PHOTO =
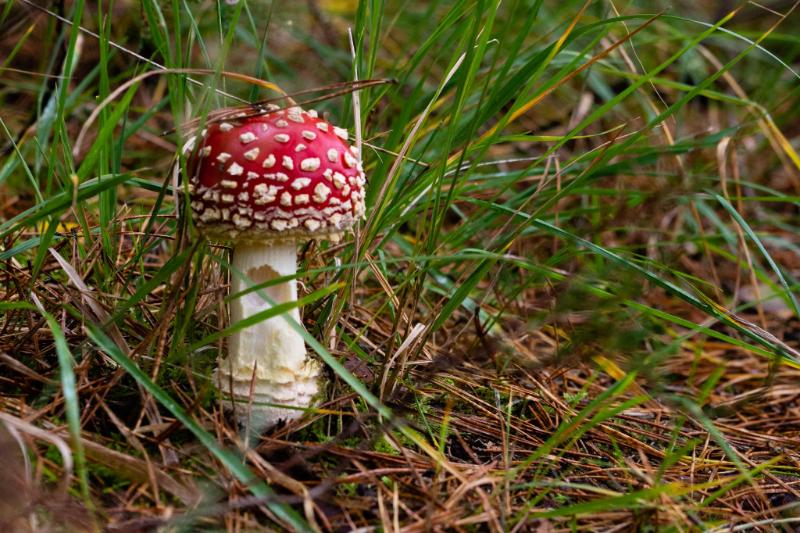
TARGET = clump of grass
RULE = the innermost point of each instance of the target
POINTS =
(572, 305)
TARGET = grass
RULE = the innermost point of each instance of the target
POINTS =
(572, 305)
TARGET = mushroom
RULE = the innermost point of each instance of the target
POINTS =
(266, 182)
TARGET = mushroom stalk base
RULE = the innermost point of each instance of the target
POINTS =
(267, 371)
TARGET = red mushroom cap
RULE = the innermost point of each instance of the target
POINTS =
(286, 174)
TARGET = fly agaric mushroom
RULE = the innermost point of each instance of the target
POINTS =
(266, 182)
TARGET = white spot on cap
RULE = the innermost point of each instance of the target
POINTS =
(340, 132)
(281, 123)
(294, 114)
(328, 173)
(252, 175)
(211, 213)
(334, 201)
(228, 184)
(312, 224)
(349, 160)
(280, 176)
(287, 163)
(225, 126)
(251, 155)
(228, 198)
(299, 183)
(189, 146)
(264, 127)
(321, 192)
(301, 199)
(264, 193)
(339, 180)
(223, 157)
(286, 198)
(247, 137)
(333, 155)
(335, 219)
(282, 138)
(205, 151)
(310, 164)
(322, 126)
(300, 147)
(197, 205)
(278, 224)
(354, 149)
(310, 135)
(243, 196)
(269, 161)
(312, 113)
(241, 222)
(235, 169)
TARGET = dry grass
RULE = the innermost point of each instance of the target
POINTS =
(598, 401)
(492, 414)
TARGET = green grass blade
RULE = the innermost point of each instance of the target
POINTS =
(232, 462)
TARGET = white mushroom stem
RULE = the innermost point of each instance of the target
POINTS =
(267, 365)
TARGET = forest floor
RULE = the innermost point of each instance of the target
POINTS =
(572, 305)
